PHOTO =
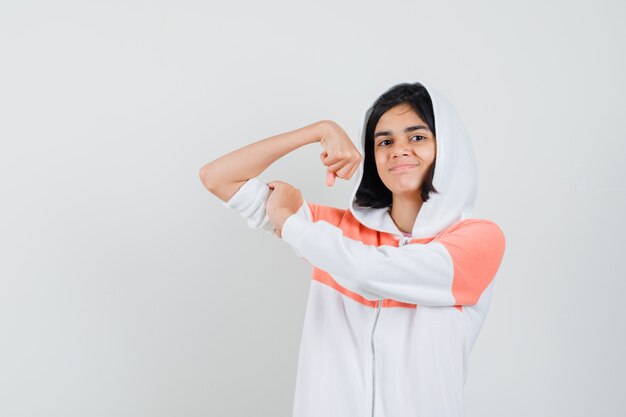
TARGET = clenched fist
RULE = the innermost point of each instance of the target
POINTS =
(284, 200)
(340, 155)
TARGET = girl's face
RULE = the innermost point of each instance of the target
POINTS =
(402, 138)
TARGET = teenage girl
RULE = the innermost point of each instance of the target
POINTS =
(402, 278)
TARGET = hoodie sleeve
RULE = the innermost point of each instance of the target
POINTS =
(451, 270)
(249, 201)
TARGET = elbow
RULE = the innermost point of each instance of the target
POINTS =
(205, 177)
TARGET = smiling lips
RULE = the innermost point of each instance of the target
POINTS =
(403, 167)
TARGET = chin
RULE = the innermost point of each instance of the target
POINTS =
(405, 191)
(396, 188)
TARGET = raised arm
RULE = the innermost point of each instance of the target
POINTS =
(225, 175)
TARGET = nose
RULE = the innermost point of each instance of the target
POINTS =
(400, 150)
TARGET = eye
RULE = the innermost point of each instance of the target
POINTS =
(417, 136)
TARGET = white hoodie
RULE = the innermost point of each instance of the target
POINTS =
(390, 319)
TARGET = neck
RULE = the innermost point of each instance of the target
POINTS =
(404, 210)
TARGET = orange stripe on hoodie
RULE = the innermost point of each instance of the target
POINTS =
(475, 246)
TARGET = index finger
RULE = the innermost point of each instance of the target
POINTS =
(330, 178)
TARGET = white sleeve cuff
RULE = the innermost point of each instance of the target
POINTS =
(294, 228)
(249, 201)
(246, 193)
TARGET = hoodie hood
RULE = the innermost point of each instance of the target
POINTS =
(454, 176)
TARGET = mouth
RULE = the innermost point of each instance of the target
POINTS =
(403, 167)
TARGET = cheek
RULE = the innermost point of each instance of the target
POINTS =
(428, 154)
(433, 155)
(379, 164)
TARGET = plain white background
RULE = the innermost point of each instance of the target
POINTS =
(128, 290)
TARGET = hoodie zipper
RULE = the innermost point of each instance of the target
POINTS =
(379, 305)
(403, 241)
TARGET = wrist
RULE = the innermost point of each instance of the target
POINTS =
(321, 130)
(283, 216)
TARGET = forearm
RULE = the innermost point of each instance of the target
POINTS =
(416, 273)
(452, 269)
(251, 160)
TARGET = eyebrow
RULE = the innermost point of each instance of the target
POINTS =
(407, 130)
